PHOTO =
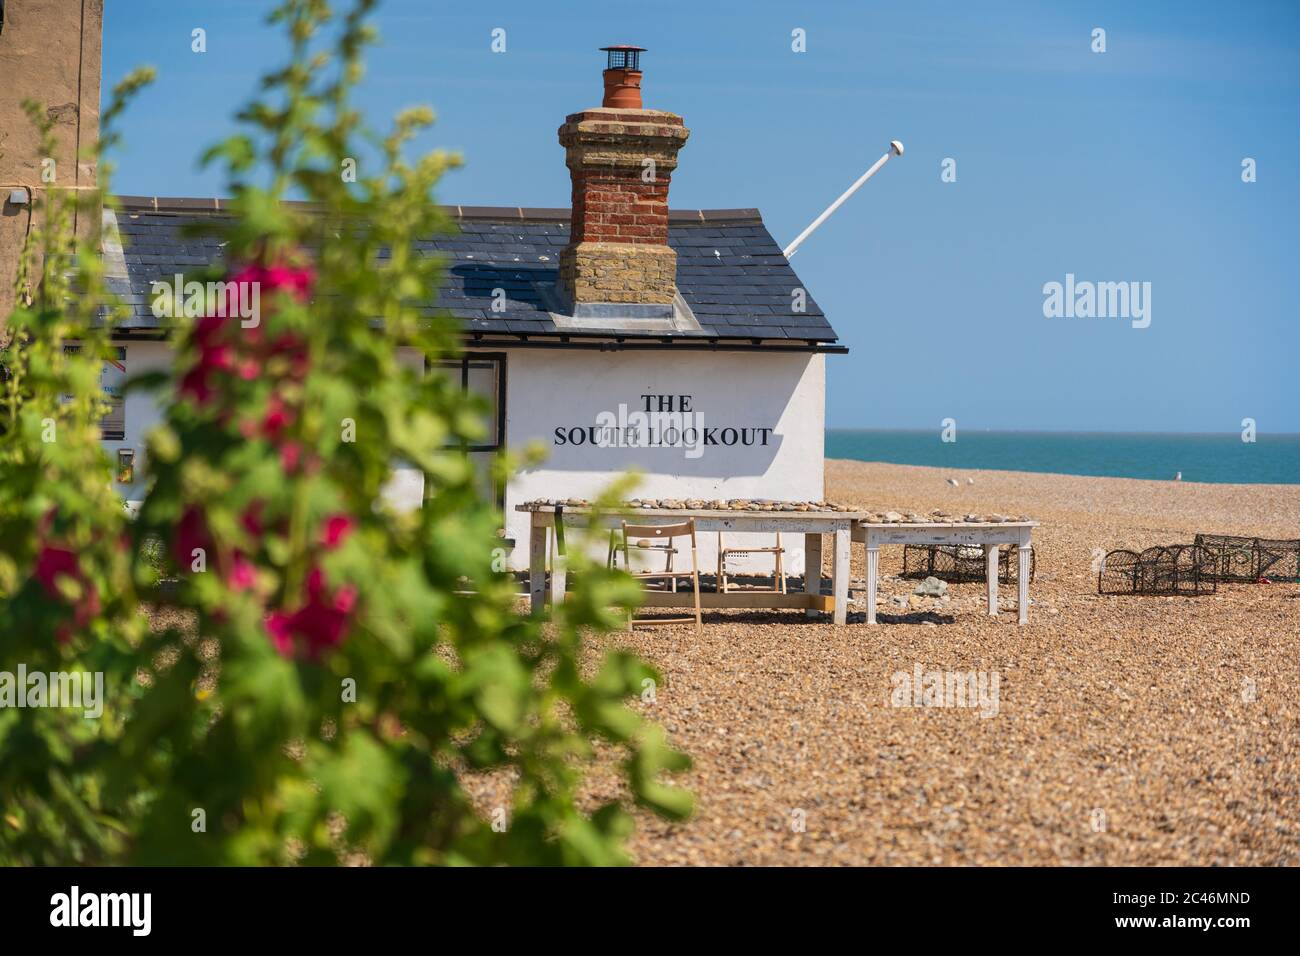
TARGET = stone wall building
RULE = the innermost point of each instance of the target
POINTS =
(49, 53)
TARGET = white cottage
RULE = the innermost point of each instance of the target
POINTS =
(620, 333)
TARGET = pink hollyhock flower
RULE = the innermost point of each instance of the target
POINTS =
(290, 456)
(243, 575)
(296, 280)
(197, 381)
(191, 533)
(337, 527)
(217, 353)
(206, 330)
(51, 563)
(288, 344)
(279, 627)
(252, 519)
(278, 417)
(322, 621)
(219, 357)
(214, 356)
(345, 599)
(254, 273)
(319, 624)
(195, 385)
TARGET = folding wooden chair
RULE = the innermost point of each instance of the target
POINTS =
(665, 533)
(778, 580)
(641, 545)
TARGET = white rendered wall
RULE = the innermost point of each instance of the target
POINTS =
(142, 411)
(405, 489)
(780, 391)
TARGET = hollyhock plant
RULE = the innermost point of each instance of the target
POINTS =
(67, 593)
(230, 356)
(322, 601)
(304, 625)
(225, 343)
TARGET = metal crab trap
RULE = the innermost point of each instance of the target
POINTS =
(1241, 559)
(1177, 569)
(960, 563)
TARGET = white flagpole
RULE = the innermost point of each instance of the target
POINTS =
(895, 149)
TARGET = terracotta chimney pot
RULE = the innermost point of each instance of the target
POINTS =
(622, 90)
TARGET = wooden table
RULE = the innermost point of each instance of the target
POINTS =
(989, 535)
(812, 524)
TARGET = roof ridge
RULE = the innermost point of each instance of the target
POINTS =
(173, 205)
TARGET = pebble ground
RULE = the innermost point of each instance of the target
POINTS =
(1129, 730)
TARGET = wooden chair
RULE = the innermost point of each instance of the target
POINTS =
(665, 533)
(778, 580)
(641, 545)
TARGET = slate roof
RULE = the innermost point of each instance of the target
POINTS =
(730, 271)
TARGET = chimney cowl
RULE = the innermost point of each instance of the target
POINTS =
(622, 77)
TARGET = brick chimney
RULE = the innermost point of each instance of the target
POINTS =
(621, 158)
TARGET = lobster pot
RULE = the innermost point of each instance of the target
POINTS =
(1240, 559)
(960, 563)
(1181, 569)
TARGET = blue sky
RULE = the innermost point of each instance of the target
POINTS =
(1115, 166)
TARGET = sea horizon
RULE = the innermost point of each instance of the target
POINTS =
(1209, 457)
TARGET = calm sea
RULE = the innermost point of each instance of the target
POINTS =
(1271, 459)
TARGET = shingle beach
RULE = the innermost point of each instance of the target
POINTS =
(1128, 730)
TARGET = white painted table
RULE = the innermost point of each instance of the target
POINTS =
(812, 524)
(989, 535)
